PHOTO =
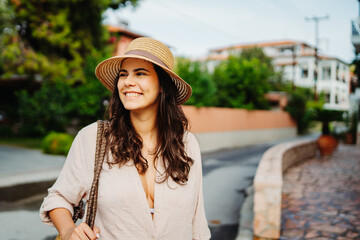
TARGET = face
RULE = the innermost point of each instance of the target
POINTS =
(138, 85)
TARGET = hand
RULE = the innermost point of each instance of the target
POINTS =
(82, 232)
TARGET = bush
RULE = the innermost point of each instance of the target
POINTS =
(56, 103)
(6, 131)
(45, 109)
(57, 143)
(299, 110)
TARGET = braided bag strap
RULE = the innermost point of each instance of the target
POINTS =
(99, 160)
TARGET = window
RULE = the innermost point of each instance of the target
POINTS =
(327, 97)
(337, 71)
(304, 71)
(287, 50)
(326, 73)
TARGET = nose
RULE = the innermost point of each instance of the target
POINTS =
(129, 81)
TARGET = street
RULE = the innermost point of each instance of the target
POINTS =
(227, 174)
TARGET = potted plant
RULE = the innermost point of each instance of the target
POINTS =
(326, 142)
(350, 136)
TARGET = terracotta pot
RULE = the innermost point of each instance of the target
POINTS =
(326, 144)
(349, 138)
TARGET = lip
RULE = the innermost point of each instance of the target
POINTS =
(132, 93)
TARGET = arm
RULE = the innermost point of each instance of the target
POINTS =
(67, 229)
(71, 186)
(200, 226)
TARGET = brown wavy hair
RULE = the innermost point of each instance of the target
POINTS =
(125, 143)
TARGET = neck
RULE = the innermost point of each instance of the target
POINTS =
(145, 125)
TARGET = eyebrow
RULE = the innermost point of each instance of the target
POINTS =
(141, 69)
(136, 70)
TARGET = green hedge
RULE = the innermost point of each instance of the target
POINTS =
(57, 143)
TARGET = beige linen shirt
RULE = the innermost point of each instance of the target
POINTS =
(123, 211)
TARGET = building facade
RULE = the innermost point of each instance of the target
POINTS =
(355, 93)
(297, 62)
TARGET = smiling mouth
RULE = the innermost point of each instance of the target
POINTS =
(133, 94)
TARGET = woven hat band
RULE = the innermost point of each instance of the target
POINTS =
(148, 55)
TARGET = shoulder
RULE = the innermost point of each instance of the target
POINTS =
(87, 135)
(88, 130)
(189, 137)
(191, 146)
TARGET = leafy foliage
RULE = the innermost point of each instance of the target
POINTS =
(55, 104)
(299, 110)
(325, 116)
(57, 143)
(58, 42)
(50, 39)
(242, 80)
(44, 110)
(197, 75)
(86, 100)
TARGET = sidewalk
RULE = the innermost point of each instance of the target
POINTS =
(21, 167)
(321, 197)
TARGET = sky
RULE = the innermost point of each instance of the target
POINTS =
(193, 27)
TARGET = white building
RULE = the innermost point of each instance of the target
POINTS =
(297, 62)
(355, 96)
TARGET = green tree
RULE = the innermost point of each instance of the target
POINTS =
(51, 39)
(59, 42)
(242, 80)
(86, 102)
(258, 53)
(44, 110)
(55, 104)
(299, 108)
(199, 78)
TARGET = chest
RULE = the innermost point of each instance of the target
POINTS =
(148, 184)
(125, 189)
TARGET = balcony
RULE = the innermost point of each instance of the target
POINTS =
(355, 35)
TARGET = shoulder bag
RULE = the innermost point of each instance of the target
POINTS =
(99, 160)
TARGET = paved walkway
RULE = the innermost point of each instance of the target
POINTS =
(20, 165)
(321, 197)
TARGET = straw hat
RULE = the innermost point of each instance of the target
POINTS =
(148, 49)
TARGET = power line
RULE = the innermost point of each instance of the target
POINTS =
(316, 20)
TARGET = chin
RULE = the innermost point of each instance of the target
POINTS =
(130, 108)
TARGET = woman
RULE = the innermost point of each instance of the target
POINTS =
(150, 184)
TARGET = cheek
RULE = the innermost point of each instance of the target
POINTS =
(120, 85)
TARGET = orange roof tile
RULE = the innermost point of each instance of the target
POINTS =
(123, 30)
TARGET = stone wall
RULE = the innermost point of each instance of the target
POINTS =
(268, 184)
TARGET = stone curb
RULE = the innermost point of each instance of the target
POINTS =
(268, 183)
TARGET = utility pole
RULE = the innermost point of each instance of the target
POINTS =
(316, 20)
(294, 65)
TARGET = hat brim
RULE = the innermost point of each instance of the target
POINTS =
(107, 72)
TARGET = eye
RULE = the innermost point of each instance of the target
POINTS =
(122, 74)
(140, 73)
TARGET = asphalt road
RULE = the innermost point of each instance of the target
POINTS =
(227, 175)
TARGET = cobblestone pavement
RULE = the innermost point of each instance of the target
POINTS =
(321, 197)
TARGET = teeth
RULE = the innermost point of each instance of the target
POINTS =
(132, 94)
